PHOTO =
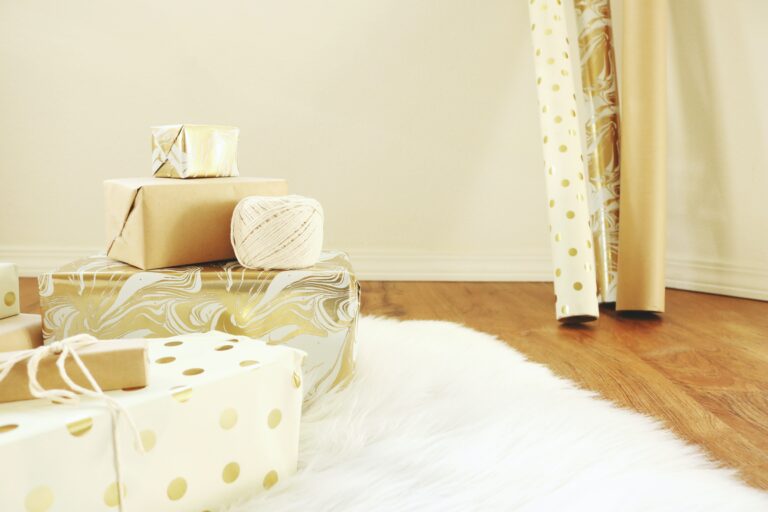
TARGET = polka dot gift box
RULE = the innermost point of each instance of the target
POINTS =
(9, 290)
(218, 422)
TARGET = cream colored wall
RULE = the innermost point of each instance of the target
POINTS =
(414, 123)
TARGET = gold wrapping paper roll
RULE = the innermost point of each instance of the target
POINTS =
(598, 78)
(570, 235)
(642, 230)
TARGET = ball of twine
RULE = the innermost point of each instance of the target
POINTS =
(281, 232)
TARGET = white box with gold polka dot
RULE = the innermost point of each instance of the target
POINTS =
(9, 290)
(218, 421)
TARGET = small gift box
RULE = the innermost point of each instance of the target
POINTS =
(156, 223)
(9, 290)
(194, 151)
(111, 365)
(218, 422)
(313, 309)
(21, 332)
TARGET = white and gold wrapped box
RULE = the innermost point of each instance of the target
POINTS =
(9, 290)
(313, 309)
(218, 422)
(194, 151)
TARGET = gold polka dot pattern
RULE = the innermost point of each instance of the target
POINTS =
(209, 416)
(148, 440)
(39, 499)
(270, 479)
(231, 472)
(8, 427)
(177, 488)
(80, 427)
(228, 418)
(563, 161)
(273, 420)
(111, 496)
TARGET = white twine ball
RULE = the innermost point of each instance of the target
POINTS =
(278, 232)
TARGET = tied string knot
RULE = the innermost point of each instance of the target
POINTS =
(63, 350)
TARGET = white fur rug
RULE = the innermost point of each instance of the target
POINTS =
(443, 418)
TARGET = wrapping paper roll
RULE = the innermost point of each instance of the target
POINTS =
(643, 157)
(570, 235)
(598, 78)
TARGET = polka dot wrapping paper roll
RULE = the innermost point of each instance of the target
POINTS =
(218, 422)
(570, 233)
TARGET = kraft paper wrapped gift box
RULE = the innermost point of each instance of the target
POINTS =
(21, 332)
(314, 309)
(194, 151)
(9, 290)
(218, 421)
(163, 222)
(113, 364)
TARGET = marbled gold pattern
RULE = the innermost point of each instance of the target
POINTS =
(313, 309)
(598, 78)
(194, 151)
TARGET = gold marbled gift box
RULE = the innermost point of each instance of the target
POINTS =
(314, 309)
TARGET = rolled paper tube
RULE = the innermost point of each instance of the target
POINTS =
(570, 234)
(643, 157)
(598, 79)
(113, 364)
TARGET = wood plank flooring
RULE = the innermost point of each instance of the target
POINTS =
(701, 368)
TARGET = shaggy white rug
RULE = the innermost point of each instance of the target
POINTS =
(441, 417)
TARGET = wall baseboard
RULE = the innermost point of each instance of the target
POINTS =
(682, 273)
(424, 266)
(717, 277)
(35, 260)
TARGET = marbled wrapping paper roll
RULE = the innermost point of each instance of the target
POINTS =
(642, 232)
(570, 234)
(598, 78)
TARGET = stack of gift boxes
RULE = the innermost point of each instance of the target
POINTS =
(208, 362)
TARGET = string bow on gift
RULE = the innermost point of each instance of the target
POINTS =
(65, 349)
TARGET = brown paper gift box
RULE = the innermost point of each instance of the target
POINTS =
(164, 222)
(113, 365)
(21, 332)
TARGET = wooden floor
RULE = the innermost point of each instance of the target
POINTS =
(701, 368)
